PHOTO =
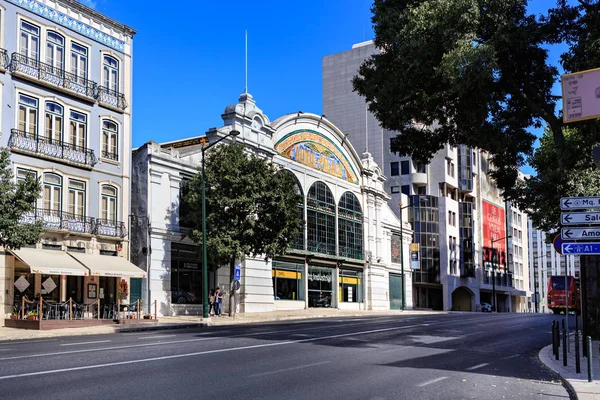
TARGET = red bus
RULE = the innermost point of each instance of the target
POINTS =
(557, 292)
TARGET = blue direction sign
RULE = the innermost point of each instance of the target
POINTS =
(237, 272)
(577, 218)
(581, 248)
(580, 233)
(578, 203)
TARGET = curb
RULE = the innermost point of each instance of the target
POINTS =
(565, 382)
(160, 327)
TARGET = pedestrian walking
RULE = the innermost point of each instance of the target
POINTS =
(218, 302)
(211, 302)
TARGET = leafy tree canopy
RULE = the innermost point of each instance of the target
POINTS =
(476, 72)
(252, 208)
(18, 199)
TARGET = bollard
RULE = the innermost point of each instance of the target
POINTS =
(577, 358)
(589, 359)
(553, 339)
(557, 340)
(564, 332)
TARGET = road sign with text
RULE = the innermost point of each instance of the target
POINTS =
(578, 218)
(581, 248)
(578, 203)
(580, 233)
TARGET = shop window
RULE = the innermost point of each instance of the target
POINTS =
(351, 286)
(50, 290)
(321, 219)
(288, 281)
(186, 274)
(350, 228)
(320, 286)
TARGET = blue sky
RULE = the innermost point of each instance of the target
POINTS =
(189, 56)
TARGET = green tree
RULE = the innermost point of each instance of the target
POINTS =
(252, 208)
(18, 199)
(476, 72)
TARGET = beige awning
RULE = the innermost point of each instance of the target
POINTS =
(114, 266)
(50, 262)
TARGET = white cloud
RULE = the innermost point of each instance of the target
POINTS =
(89, 3)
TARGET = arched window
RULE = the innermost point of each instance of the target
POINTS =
(320, 219)
(350, 227)
(54, 122)
(111, 73)
(110, 140)
(109, 203)
(299, 240)
(55, 52)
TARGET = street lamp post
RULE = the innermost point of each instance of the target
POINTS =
(204, 250)
(494, 272)
(422, 199)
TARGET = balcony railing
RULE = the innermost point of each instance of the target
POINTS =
(350, 252)
(57, 149)
(4, 59)
(110, 156)
(111, 98)
(320, 247)
(56, 77)
(63, 221)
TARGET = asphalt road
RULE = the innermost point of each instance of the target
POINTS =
(455, 356)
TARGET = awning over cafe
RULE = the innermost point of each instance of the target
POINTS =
(50, 262)
(114, 266)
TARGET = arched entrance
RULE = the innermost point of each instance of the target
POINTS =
(462, 299)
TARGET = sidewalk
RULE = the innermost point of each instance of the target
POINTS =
(585, 390)
(193, 321)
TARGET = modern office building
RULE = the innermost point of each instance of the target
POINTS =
(456, 211)
(544, 262)
(348, 256)
(65, 82)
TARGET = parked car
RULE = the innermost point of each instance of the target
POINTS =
(486, 307)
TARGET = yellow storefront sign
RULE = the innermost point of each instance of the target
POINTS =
(286, 274)
(352, 281)
(414, 247)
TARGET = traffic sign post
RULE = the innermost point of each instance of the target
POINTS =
(579, 218)
(579, 203)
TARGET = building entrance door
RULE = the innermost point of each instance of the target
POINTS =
(320, 286)
(395, 292)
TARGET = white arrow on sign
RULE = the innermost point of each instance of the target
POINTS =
(578, 203)
(580, 233)
(591, 218)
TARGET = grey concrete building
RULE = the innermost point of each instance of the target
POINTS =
(66, 87)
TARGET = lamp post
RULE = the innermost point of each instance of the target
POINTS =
(494, 272)
(422, 199)
(204, 251)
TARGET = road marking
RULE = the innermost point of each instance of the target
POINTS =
(513, 356)
(27, 342)
(82, 343)
(155, 337)
(200, 353)
(289, 369)
(474, 367)
(441, 378)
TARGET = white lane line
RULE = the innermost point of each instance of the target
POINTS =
(474, 367)
(27, 341)
(513, 356)
(441, 378)
(155, 337)
(288, 369)
(200, 353)
(83, 343)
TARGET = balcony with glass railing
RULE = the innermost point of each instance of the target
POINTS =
(44, 147)
(57, 220)
(35, 70)
(111, 99)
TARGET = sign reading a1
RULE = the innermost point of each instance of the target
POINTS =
(578, 203)
(580, 233)
(592, 248)
(590, 218)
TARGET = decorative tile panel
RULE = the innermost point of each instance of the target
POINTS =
(59, 18)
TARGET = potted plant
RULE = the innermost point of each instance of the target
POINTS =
(14, 315)
(32, 315)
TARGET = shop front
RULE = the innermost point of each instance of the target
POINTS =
(288, 285)
(321, 288)
(351, 289)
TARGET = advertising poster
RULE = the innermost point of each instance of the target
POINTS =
(581, 95)
(494, 228)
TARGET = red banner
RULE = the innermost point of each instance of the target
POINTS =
(494, 228)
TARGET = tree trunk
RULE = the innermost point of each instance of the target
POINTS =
(232, 297)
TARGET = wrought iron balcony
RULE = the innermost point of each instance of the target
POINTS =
(351, 252)
(106, 227)
(111, 98)
(110, 156)
(50, 75)
(63, 221)
(56, 149)
(60, 220)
